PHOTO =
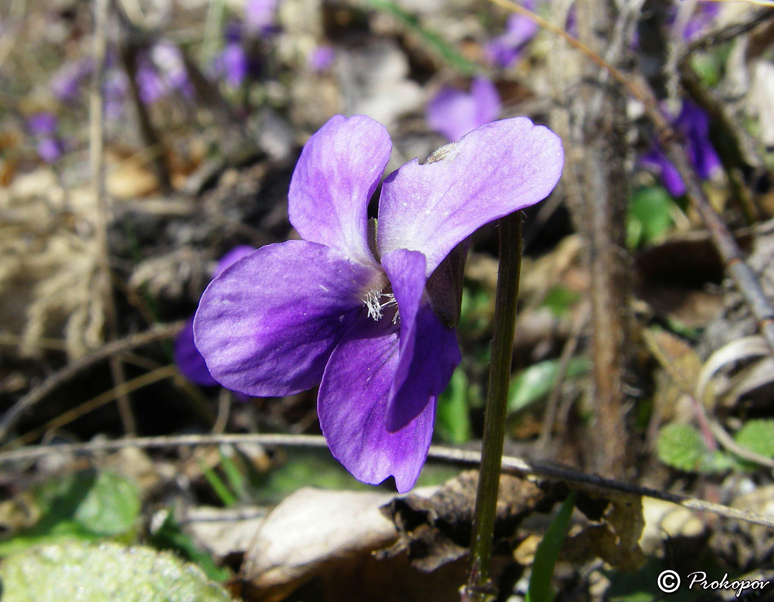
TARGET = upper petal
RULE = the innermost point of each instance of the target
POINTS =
(267, 325)
(338, 171)
(428, 351)
(352, 406)
(494, 170)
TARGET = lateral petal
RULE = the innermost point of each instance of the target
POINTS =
(494, 170)
(267, 325)
(338, 171)
(428, 351)
(352, 406)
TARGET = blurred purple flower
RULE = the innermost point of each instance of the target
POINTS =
(187, 357)
(454, 113)
(233, 64)
(66, 83)
(693, 124)
(260, 16)
(43, 126)
(701, 18)
(350, 310)
(321, 58)
(114, 91)
(505, 49)
(161, 71)
(49, 149)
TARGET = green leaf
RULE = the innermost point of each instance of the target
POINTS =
(547, 553)
(218, 485)
(170, 536)
(453, 423)
(81, 572)
(303, 468)
(86, 505)
(538, 380)
(682, 447)
(757, 436)
(560, 299)
(707, 66)
(650, 216)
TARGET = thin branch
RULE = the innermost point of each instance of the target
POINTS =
(14, 414)
(726, 33)
(97, 160)
(97, 402)
(511, 465)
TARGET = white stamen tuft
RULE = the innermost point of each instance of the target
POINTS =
(372, 303)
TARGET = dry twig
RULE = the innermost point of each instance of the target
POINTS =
(511, 465)
(14, 414)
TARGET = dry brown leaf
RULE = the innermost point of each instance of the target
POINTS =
(615, 538)
(312, 531)
(436, 530)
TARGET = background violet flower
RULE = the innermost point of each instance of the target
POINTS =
(349, 310)
(321, 58)
(187, 357)
(161, 71)
(259, 16)
(43, 126)
(693, 124)
(504, 50)
(454, 113)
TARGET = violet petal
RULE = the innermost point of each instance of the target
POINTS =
(352, 406)
(494, 170)
(694, 123)
(231, 257)
(338, 171)
(486, 99)
(188, 359)
(428, 351)
(657, 161)
(454, 113)
(267, 325)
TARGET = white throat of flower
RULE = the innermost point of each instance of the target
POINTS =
(376, 302)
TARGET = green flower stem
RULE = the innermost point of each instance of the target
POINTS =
(479, 588)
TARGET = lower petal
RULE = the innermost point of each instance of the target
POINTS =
(267, 325)
(428, 351)
(352, 406)
(436, 355)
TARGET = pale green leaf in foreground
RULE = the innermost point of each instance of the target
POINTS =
(108, 572)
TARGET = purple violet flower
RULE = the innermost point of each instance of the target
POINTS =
(43, 126)
(700, 18)
(693, 124)
(504, 50)
(187, 357)
(454, 113)
(66, 83)
(259, 16)
(353, 309)
(161, 71)
(321, 58)
(234, 64)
